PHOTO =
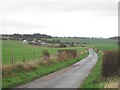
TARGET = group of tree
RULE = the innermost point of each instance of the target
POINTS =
(24, 36)
(116, 38)
(54, 41)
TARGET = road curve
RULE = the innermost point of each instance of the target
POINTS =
(70, 77)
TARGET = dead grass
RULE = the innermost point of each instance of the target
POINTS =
(19, 67)
(10, 70)
(66, 54)
(112, 85)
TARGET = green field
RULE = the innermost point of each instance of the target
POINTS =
(103, 47)
(29, 52)
(102, 44)
(86, 40)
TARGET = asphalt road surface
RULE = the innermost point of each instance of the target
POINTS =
(70, 77)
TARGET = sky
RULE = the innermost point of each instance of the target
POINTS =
(81, 18)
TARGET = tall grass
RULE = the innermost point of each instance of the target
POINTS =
(66, 54)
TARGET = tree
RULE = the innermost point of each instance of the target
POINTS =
(62, 45)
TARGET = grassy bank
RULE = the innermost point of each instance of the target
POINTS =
(94, 78)
(24, 77)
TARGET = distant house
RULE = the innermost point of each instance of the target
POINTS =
(43, 44)
(25, 41)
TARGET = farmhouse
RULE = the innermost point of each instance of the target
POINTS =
(25, 41)
(38, 43)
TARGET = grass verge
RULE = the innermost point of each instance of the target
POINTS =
(94, 78)
(24, 77)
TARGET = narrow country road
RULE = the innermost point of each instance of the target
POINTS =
(70, 77)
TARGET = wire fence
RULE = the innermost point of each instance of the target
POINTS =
(22, 57)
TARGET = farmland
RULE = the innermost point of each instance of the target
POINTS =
(86, 40)
(18, 48)
(30, 52)
(102, 44)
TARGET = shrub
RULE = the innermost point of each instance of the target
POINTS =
(62, 45)
(72, 45)
(11, 70)
(66, 54)
(46, 55)
(110, 63)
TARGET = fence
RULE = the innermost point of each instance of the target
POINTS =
(21, 57)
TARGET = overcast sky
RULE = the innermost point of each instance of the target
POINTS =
(83, 18)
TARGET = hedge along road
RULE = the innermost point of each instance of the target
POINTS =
(70, 77)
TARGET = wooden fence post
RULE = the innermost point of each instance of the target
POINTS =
(23, 58)
(33, 55)
(12, 58)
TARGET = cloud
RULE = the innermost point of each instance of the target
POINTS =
(60, 17)
(109, 7)
(22, 25)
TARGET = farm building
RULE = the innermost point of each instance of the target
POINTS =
(38, 43)
(25, 41)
